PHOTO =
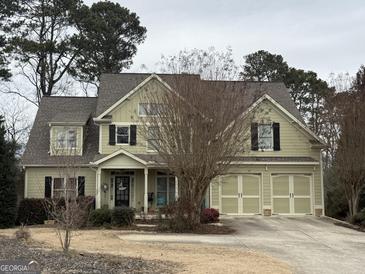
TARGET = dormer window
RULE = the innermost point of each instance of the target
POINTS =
(67, 138)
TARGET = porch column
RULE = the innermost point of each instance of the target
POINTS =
(98, 189)
(176, 188)
(145, 204)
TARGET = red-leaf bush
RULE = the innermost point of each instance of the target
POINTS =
(209, 215)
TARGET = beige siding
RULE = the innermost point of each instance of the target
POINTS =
(215, 194)
(293, 141)
(35, 179)
(127, 113)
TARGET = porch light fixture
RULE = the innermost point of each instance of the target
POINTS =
(105, 187)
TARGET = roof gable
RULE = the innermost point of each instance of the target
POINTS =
(65, 110)
(291, 118)
(132, 92)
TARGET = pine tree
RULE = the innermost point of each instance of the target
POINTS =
(8, 170)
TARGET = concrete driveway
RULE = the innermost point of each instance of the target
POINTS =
(309, 244)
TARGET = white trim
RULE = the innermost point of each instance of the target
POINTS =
(66, 124)
(116, 153)
(100, 139)
(116, 135)
(81, 141)
(56, 165)
(304, 127)
(26, 184)
(140, 85)
(176, 188)
(272, 163)
(145, 200)
(321, 181)
(98, 189)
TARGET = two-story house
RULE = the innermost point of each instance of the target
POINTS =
(280, 173)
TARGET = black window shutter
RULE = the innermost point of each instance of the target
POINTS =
(112, 135)
(276, 129)
(254, 137)
(81, 186)
(47, 187)
(133, 137)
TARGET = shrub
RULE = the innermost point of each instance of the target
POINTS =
(209, 215)
(22, 233)
(87, 205)
(32, 211)
(359, 218)
(123, 216)
(100, 216)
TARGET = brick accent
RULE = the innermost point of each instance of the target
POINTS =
(318, 212)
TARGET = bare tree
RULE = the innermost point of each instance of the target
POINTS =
(17, 123)
(210, 64)
(350, 157)
(67, 210)
(197, 129)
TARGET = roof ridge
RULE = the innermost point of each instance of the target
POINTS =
(59, 96)
(150, 73)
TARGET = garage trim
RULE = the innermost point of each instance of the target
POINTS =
(312, 199)
(240, 200)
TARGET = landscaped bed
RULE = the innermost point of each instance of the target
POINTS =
(52, 261)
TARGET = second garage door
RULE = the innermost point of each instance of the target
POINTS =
(291, 194)
(240, 194)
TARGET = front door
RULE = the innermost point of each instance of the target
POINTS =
(122, 188)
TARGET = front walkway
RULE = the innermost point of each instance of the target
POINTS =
(309, 244)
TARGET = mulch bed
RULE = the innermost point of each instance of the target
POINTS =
(349, 225)
(57, 262)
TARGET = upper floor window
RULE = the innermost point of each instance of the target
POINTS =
(122, 135)
(153, 141)
(67, 138)
(148, 109)
(265, 136)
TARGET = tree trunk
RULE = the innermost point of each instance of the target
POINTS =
(354, 204)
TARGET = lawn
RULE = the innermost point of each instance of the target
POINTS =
(160, 257)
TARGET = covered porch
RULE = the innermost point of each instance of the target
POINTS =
(124, 179)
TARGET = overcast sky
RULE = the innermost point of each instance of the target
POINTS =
(324, 36)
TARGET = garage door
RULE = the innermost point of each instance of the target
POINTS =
(291, 194)
(240, 194)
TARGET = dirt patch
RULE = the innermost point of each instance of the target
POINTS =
(193, 258)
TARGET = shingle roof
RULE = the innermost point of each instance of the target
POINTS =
(61, 109)
(113, 87)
